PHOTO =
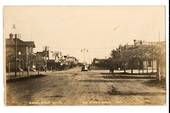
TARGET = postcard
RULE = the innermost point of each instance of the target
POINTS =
(84, 55)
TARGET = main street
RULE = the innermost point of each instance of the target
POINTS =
(94, 87)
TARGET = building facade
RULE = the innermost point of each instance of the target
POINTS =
(19, 54)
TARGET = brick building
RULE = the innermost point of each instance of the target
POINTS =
(19, 54)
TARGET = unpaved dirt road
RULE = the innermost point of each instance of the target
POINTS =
(74, 87)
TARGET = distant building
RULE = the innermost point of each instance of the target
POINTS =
(100, 63)
(71, 60)
(48, 60)
(19, 51)
(40, 60)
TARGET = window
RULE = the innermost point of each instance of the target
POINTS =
(149, 63)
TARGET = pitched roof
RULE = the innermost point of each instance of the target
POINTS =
(11, 42)
(30, 43)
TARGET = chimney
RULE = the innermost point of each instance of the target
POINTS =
(10, 36)
(134, 42)
(16, 35)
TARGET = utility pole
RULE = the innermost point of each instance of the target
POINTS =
(15, 55)
(84, 51)
(15, 60)
(46, 49)
(16, 47)
(159, 59)
(38, 64)
(15, 37)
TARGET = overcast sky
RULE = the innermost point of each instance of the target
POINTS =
(99, 29)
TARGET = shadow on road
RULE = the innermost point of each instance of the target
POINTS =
(25, 78)
(96, 80)
(128, 77)
(54, 96)
(156, 83)
(121, 93)
(125, 73)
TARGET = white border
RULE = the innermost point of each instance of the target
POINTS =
(83, 109)
(85, 2)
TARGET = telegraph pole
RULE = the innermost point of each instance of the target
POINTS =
(46, 49)
(16, 47)
(15, 54)
(159, 59)
(84, 51)
(15, 37)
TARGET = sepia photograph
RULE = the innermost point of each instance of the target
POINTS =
(84, 55)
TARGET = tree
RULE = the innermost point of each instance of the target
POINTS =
(132, 56)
